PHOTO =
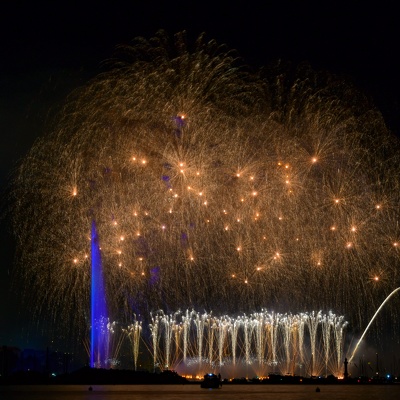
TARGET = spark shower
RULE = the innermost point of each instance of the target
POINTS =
(259, 343)
(213, 187)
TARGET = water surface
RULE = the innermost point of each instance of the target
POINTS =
(182, 392)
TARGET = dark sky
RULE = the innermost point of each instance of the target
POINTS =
(48, 48)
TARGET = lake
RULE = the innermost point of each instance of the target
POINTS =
(181, 392)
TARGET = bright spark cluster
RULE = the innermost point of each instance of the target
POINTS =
(305, 343)
(212, 188)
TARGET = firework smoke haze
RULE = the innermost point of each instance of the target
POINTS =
(212, 188)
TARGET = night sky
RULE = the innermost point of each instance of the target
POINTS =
(49, 48)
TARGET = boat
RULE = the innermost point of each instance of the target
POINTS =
(211, 381)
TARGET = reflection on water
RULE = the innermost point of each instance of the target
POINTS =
(183, 392)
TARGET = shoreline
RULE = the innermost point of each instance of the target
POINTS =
(94, 376)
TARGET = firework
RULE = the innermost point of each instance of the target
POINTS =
(264, 342)
(212, 188)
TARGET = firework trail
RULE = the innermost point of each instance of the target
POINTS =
(303, 342)
(212, 188)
